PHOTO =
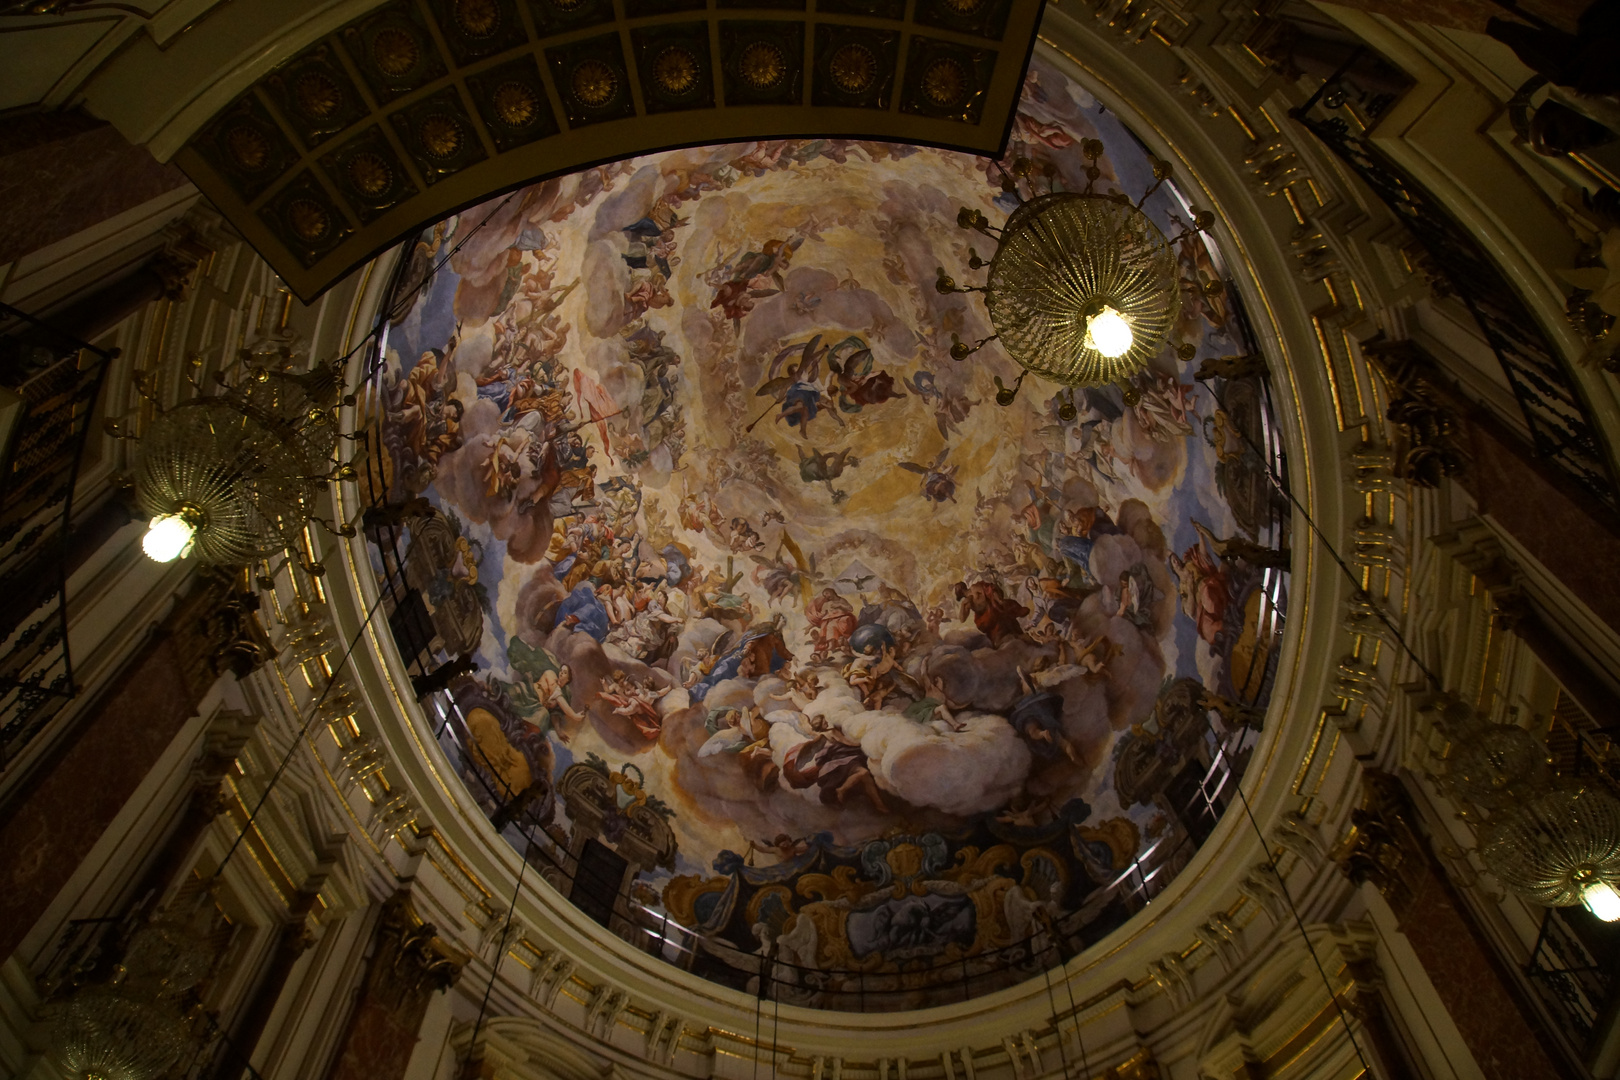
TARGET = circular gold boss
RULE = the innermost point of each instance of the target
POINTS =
(594, 83)
(395, 52)
(477, 18)
(440, 136)
(369, 174)
(945, 83)
(247, 147)
(308, 219)
(515, 103)
(316, 95)
(675, 71)
(761, 65)
(853, 68)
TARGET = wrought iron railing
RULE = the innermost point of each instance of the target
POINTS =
(1575, 984)
(1558, 419)
(57, 379)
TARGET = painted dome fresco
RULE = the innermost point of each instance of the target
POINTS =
(782, 648)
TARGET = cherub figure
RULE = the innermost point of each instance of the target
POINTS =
(938, 483)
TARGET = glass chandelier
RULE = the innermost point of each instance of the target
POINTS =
(138, 1019)
(1552, 840)
(1559, 846)
(234, 475)
(1082, 288)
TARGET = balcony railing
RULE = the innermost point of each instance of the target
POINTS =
(1558, 419)
(56, 379)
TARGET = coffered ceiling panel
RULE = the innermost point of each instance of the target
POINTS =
(421, 107)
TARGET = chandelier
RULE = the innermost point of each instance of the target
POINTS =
(1082, 289)
(234, 475)
(1559, 846)
(1552, 840)
(137, 1019)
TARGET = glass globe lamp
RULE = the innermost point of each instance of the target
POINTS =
(1559, 847)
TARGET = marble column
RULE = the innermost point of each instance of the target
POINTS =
(408, 965)
(1385, 849)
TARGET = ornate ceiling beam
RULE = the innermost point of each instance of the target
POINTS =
(423, 107)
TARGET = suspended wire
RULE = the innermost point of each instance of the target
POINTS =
(1051, 1001)
(1074, 1011)
(396, 306)
(759, 1007)
(506, 927)
(1293, 909)
(1333, 552)
(314, 712)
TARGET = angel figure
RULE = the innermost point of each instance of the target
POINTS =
(950, 409)
(798, 390)
(857, 384)
(824, 467)
(938, 483)
(781, 577)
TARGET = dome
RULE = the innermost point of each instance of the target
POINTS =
(790, 655)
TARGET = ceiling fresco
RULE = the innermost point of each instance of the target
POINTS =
(784, 650)
(420, 107)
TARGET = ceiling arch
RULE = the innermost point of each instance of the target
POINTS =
(420, 107)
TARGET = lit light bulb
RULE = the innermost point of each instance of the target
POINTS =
(168, 537)
(1109, 333)
(1601, 900)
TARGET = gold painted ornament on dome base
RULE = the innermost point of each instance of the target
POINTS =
(395, 52)
(853, 68)
(516, 104)
(675, 71)
(594, 83)
(477, 18)
(761, 66)
(369, 174)
(440, 136)
(316, 95)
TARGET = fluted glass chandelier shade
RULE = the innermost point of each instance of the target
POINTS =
(1552, 845)
(242, 468)
(136, 1023)
(1493, 760)
(1066, 258)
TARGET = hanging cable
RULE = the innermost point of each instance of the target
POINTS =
(1051, 1001)
(314, 712)
(506, 928)
(1333, 553)
(1293, 909)
(759, 1008)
